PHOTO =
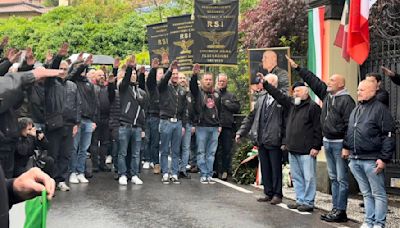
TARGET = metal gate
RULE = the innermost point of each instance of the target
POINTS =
(385, 51)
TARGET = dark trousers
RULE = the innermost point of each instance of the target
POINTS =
(223, 156)
(99, 144)
(7, 160)
(60, 147)
(114, 147)
(271, 170)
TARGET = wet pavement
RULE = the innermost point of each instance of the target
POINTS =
(104, 203)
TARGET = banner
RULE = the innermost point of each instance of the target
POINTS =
(157, 39)
(216, 32)
(180, 40)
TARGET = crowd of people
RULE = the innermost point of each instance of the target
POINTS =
(136, 118)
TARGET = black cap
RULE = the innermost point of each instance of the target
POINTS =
(298, 84)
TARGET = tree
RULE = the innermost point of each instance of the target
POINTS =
(276, 23)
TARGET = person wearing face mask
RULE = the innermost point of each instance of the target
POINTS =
(303, 141)
(132, 120)
(336, 109)
(370, 144)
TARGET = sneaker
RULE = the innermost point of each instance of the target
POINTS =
(136, 180)
(365, 225)
(123, 180)
(194, 169)
(184, 175)
(188, 167)
(146, 165)
(203, 180)
(337, 216)
(224, 176)
(377, 226)
(152, 165)
(211, 180)
(276, 200)
(116, 176)
(73, 179)
(157, 169)
(109, 159)
(175, 180)
(293, 205)
(305, 208)
(165, 179)
(62, 186)
(81, 178)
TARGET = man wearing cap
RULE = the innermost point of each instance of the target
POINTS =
(303, 141)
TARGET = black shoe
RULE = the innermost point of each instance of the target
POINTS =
(215, 175)
(194, 169)
(116, 176)
(105, 169)
(95, 170)
(183, 175)
(338, 216)
(264, 199)
(276, 200)
(361, 204)
(293, 206)
(324, 216)
(305, 208)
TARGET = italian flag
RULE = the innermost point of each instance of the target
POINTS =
(353, 34)
(315, 42)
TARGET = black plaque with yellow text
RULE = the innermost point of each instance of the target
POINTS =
(180, 41)
(216, 32)
(157, 38)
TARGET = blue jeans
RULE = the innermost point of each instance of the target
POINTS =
(153, 124)
(82, 142)
(185, 147)
(170, 139)
(372, 186)
(134, 137)
(304, 174)
(338, 174)
(207, 142)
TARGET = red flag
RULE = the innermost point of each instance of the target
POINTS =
(358, 37)
(342, 33)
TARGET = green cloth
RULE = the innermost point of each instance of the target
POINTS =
(36, 211)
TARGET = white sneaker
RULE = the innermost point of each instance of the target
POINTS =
(62, 186)
(109, 159)
(365, 225)
(188, 167)
(136, 180)
(203, 180)
(165, 179)
(377, 226)
(81, 178)
(123, 180)
(152, 165)
(73, 179)
(146, 165)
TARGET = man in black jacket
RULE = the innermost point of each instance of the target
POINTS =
(87, 124)
(132, 121)
(229, 106)
(381, 94)
(172, 112)
(393, 76)
(207, 108)
(269, 65)
(266, 124)
(336, 109)
(303, 140)
(370, 143)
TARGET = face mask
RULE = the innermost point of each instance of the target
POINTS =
(297, 100)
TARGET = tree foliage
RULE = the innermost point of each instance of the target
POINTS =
(276, 23)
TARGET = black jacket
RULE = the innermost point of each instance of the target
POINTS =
(274, 132)
(172, 99)
(371, 132)
(383, 96)
(336, 108)
(303, 128)
(115, 106)
(396, 79)
(229, 106)
(25, 149)
(283, 77)
(36, 102)
(132, 100)
(86, 92)
(206, 105)
(11, 88)
(154, 95)
(7, 198)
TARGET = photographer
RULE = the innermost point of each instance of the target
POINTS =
(29, 140)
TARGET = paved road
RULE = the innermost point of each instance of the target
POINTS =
(103, 203)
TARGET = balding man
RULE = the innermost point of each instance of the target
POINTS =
(303, 139)
(370, 143)
(270, 65)
(336, 109)
(266, 128)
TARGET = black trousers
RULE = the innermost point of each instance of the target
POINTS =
(223, 155)
(271, 170)
(60, 147)
(7, 160)
(99, 145)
